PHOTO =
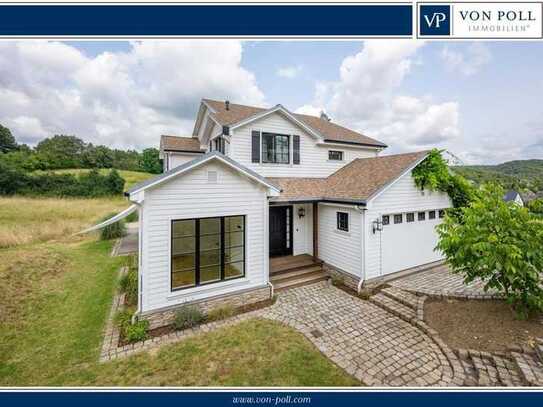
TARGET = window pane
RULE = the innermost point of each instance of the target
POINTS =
(183, 228)
(432, 215)
(398, 218)
(410, 217)
(233, 239)
(210, 242)
(422, 215)
(184, 262)
(386, 219)
(209, 274)
(233, 270)
(233, 223)
(233, 255)
(210, 225)
(210, 257)
(183, 279)
(183, 245)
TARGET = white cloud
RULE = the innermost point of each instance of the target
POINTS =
(468, 63)
(289, 72)
(367, 98)
(124, 99)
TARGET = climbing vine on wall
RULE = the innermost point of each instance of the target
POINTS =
(433, 174)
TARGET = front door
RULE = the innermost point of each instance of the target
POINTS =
(280, 230)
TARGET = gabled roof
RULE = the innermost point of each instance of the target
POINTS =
(215, 155)
(511, 195)
(330, 131)
(359, 181)
(181, 144)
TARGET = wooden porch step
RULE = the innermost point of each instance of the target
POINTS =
(291, 275)
(300, 281)
(279, 266)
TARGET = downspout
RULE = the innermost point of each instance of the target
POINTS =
(361, 210)
(140, 261)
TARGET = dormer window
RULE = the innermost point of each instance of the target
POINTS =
(275, 148)
(219, 145)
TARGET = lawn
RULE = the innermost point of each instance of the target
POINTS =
(131, 177)
(57, 292)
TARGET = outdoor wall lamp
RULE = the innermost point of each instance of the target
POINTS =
(377, 225)
(301, 212)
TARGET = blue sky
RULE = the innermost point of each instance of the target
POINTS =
(481, 101)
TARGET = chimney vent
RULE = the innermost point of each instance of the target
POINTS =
(325, 117)
(227, 104)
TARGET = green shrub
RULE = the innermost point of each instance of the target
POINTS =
(123, 319)
(136, 332)
(187, 316)
(499, 244)
(133, 217)
(219, 313)
(128, 285)
(113, 231)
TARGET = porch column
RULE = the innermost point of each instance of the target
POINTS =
(315, 231)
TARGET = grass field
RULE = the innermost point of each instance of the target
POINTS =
(56, 291)
(131, 177)
(30, 220)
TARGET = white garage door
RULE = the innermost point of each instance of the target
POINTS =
(408, 240)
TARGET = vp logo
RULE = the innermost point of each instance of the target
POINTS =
(434, 20)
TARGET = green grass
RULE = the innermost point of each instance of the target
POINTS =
(131, 177)
(56, 295)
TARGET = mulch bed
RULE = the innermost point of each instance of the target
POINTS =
(485, 325)
(164, 330)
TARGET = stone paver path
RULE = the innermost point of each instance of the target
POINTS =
(375, 346)
(129, 243)
(439, 281)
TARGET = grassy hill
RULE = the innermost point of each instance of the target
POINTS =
(520, 174)
(131, 177)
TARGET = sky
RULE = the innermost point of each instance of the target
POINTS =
(481, 101)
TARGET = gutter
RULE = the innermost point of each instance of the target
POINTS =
(361, 210)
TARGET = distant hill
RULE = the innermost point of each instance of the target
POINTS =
(521, 175)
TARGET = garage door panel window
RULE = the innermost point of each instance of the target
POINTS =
(410, 217)
(441, 213)
(398, 218)
(422, 216)
(386, 220)
(207, 250)
(431, 214)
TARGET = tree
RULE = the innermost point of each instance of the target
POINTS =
(7, 141)
(500, 243)
(149, 161)
(536, 206)
(61, 151)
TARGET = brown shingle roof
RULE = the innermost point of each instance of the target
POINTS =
(174, 143)
(329, 130)
(357, 181)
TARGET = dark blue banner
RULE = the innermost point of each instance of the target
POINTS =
(302, 398)
(206, 20)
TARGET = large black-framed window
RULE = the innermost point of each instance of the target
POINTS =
(207, 250)
(275, 148)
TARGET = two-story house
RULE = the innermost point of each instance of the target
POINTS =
(258, 200)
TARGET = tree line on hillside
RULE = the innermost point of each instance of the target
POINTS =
(19, 165)
(66, 152)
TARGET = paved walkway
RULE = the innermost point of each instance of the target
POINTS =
(439, 281)
(129, 243)
(373, 345)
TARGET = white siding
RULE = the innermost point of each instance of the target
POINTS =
(192, 196)
(313, 158)
(176, 159)
(404, 245)
(340, 249)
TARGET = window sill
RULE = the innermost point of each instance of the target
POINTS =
(342, 232)
(181, 293)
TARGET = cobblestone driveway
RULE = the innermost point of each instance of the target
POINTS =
(365, 340)
(439, 281)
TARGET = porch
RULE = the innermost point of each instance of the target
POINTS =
(294, 271)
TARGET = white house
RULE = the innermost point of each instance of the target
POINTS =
(258, 200)
(513, 196)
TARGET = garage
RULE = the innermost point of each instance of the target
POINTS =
(408, 239)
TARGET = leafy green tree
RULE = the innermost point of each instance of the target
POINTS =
(536, 206)
(500, 243)
(61, 151)
(150, 162)
(7, 141)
